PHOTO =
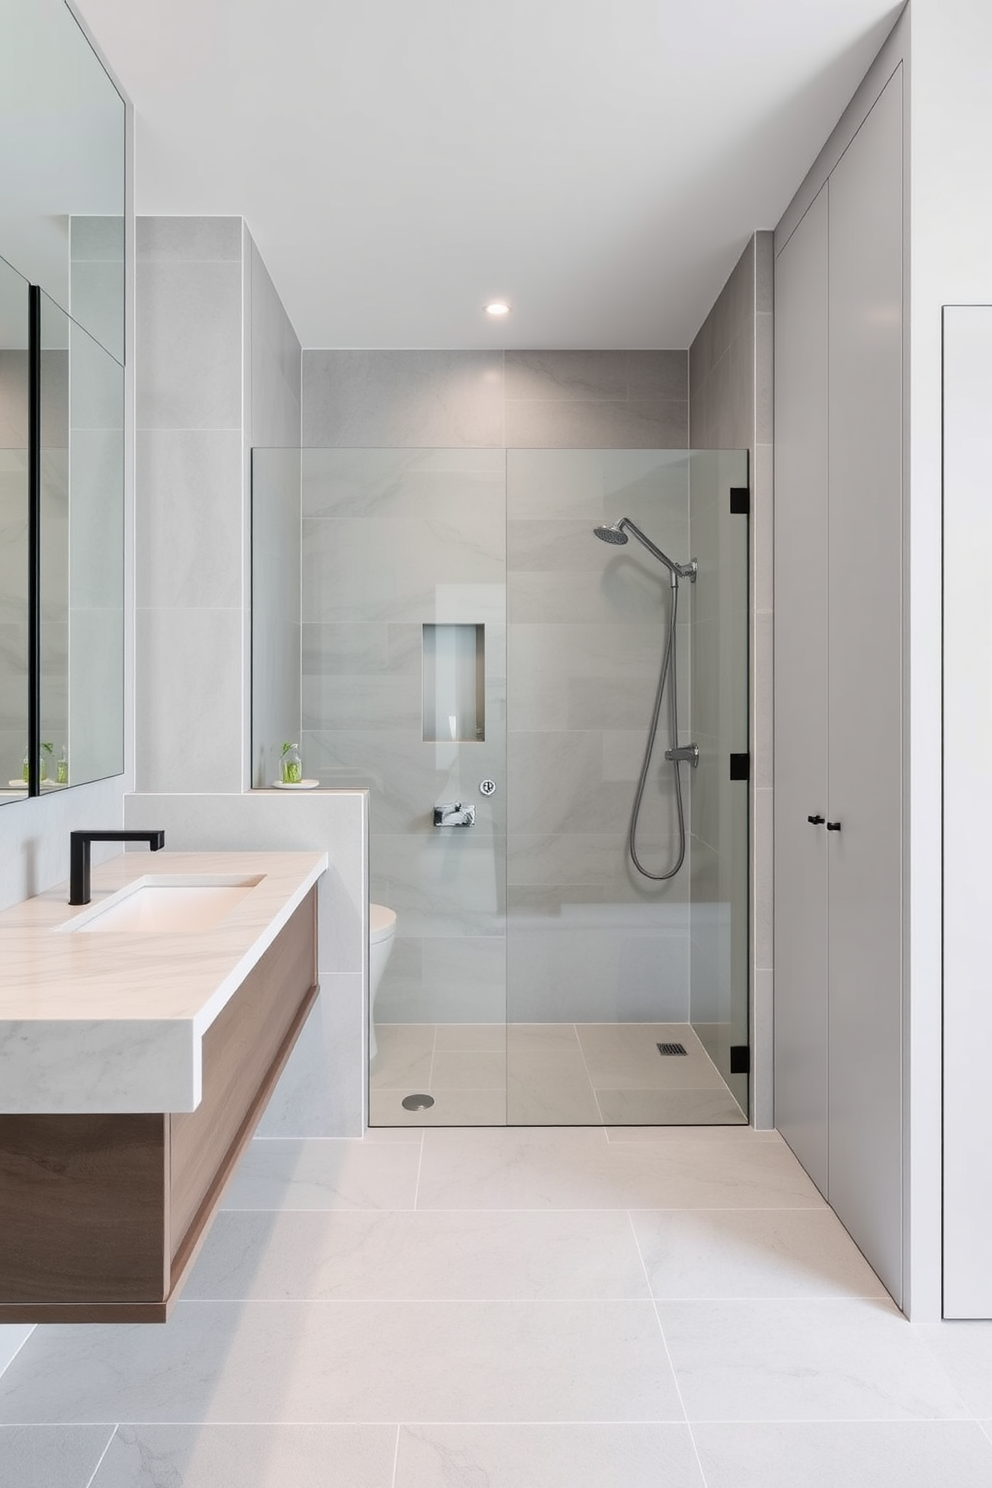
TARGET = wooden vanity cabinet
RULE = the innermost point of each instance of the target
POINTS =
(102, 1216)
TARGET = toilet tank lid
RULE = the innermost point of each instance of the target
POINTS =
(382, 921)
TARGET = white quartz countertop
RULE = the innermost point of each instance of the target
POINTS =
(114, 1022)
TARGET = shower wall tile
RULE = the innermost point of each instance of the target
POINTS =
(570, 376)
(658, 374)
(190, 485)
(596, 425)
(442, 884)
(463, 980)
(429, 484)
(566, 973)
(402, 399)
(566, 485)
(403, 569)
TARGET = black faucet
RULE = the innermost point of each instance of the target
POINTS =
(79, 857)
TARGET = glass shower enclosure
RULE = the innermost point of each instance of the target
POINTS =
(470, 653)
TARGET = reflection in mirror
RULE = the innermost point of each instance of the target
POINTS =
(62, 184)
(13, 532)
(82, 556)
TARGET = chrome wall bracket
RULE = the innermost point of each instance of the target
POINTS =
(688, 752)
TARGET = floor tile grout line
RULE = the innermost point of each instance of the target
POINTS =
(200, 1424)
(93, 1475)
(668, 1352)
(416, 1186)
(396, 1454)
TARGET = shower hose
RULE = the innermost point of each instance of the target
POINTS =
(668, 666)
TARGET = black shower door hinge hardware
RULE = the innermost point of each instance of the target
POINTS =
(740, 501)
(740, 766)
(740, 1059)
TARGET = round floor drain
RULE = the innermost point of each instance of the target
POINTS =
(417, 1102)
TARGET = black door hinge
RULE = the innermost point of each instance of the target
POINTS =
(740, 1059)
(740, 501)
(740, 766)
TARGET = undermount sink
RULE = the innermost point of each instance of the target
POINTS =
(165, 902)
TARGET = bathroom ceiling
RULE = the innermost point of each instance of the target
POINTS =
(598, 163)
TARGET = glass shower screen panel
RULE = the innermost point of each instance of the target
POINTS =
(404, 691)
(626, 987)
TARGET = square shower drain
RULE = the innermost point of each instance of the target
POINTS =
(672, 1049)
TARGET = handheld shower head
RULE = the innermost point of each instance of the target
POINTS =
(611, 534)
(618, 534)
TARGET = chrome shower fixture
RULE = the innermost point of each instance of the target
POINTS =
(618, 534)
(676, 754)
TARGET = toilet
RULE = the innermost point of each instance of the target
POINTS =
(382, 928)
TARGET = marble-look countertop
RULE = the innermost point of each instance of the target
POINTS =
(114, 1022)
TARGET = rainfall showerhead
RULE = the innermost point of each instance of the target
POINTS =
(611, 534)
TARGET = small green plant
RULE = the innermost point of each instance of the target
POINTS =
(43, 759)
(290, 764)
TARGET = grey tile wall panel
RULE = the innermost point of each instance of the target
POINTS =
(178, 239)
(189, 518)
(188, 337)
(402, 399)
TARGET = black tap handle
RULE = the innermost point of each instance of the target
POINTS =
(833, 826)
(815, 821)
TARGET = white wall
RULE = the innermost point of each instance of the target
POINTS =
(950, 130)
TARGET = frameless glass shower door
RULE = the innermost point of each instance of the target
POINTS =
(623, 985)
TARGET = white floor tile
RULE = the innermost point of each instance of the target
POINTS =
(547, 1457)
(249, 1457)
(472, 1037)
(817, 1361)
(683, 1134)
(373, 1362)
(849, 1454)
(964, 1350)
(468, 1070)
(625, 1056)
(325, 1175)
(727, 1253)
(405, 1052)
(682, 1107)
(419, 1255)
(50, 1456)
(522, 1170)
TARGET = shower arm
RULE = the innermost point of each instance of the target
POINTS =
(677, 570)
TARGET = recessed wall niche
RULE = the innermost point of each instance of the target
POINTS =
(454, 683)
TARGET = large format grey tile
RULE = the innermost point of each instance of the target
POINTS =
(567, 376)
(679, 1107)
(752, 1253)
(175, 239)
(406, 399)
(188, 700)
(451, 1108)
(382, 1361)
(625, 1056)
(628, 1456)
(188, 336)
(246, 1456)
(804, 1361)
(50, 1456)
(855, 1454)
(189, 517)
(592, 424)
(518, 1169)
(275, 1174)
(425, 1254)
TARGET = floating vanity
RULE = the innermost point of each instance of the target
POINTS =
(140, 1039)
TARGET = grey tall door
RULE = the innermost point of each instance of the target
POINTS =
(865, 688)
(801, 691)
(838, 689)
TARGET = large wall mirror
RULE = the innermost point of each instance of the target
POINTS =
(62, 192)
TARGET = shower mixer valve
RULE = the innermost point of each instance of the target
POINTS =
(454, 814)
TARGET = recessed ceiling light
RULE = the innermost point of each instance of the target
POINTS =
(496, 308)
